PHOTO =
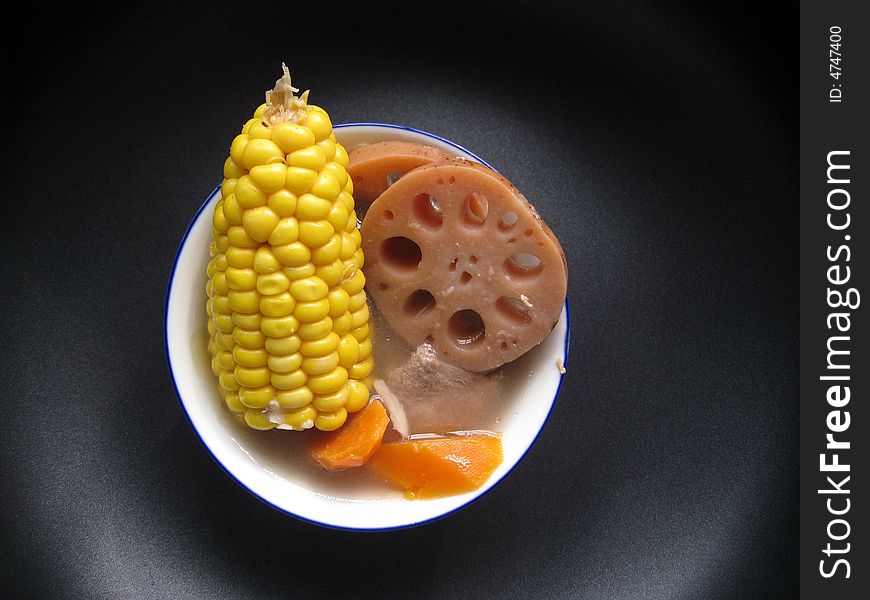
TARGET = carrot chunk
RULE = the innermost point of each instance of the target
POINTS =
(353, 444)
(442, 466)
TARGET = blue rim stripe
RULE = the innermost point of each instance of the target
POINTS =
(181, 245)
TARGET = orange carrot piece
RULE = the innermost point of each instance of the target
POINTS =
(436, 467)
(353, 444)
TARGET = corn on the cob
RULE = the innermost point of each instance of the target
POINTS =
(288, 318)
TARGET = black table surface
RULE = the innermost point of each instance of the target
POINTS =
(657, 143)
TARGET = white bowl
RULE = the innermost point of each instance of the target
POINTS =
(259, 461)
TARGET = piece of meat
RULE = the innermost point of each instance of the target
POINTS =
(456, 256)
(428, 395)
(375, 167)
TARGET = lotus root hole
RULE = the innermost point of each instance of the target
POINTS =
(452, 266)
(472, 259)
(514, 309)
(507, 221)
(476, 209)
(388, 215)
(401, 253)
(419, 302)
(466, 328)
(393, 178)
(465, 277)
(523, 264)
(427, 210)
(527, 233)
(383, 287)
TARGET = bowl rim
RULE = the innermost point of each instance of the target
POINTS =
(286, 511)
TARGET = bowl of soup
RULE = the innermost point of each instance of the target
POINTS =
(276, 466)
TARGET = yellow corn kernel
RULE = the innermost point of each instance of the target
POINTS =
(220, 304)
(219, 284)
(256, 398)
(237, 236)
(319, 124)
(241, 279)
(311, 157)
(243, 301)
(281, 346)
(232, 170)
(291, 137)
(330, 421)
(279, 327)
(211, 269)
(308, 289)
(310, 312)
(327, 253)
(294, 273)
(347, 199)
(283, 202)
(234, 403)
(295, 254)
(336, 169)
(358, 396)
(352, 223)
(285, 364)
(259, 222)
(279, 305)
(320, 346)
(333, 401)
(248, 195)
(330, 273)
(253, 339)
(339, 301)
(359, 317)
(265, 261)
(272, 283)
(328, 146)
(361, 333)
(301, 418)
(286, 231)
(228, 186)
(215, 366)
(348, 246)
(247, 126)
(317, 365)
(223, 323)
(269, 178)
(316, 329)
(348, 351)
(228, 382)
(340, 156)
(219, 221)
(365, 348)
(252, 377)
(261, 152)
(328, 383)
(258, 113)
(315, 233)
(299, 180)
(257, 419)
(225, 341)
(312, 208)
(341, 324)
(355, 284)
(259, 130)
(326, 186)
(232, 210)
(237, 148)
(357, 301)
(361, 369)
(220, 261)
(247, 357)
(289, 381)
(249, 321)
(240, 258)
(295, 398)
(337, 216)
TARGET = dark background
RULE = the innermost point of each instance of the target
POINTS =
(659, 142)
